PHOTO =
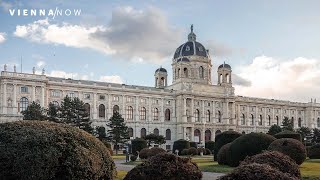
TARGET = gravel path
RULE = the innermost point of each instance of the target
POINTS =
(206, 175)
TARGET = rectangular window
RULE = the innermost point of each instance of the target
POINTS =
(71, 94)
(24, 89)
(102, 97)
(168, 103)
(115, 98)
(86, 96)
(143, 100)
(55, 93)
(129, 99)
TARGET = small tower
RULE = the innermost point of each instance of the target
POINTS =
(224, 75)
(161, 77)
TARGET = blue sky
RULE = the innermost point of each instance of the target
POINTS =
(272, 46)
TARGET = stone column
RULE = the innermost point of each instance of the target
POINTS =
(265, 118)
(14, 103)
(4, 100)
(124, 107)
(33, 97)
(192, 111)
(239, 116)
(192, 134)
(248, 116)
(109, 108)
(273, 118)
(255, 119)
(94, 106)
(136, 109)
(203, 135)
(42, 96)
(203, 115)
(184, 132)
(226, 114)
(162, 111)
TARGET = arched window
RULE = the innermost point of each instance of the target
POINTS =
(129, 113)
(277, 119)
(55, 103)
(167, 115)
(162, 81)
(207, 136)
(130, 132)
(185, 72)
(299, 122)
(243, 120)
(116, 109)
(23, 104)
(197, 115)
(243, 132)
(155, 113)
(143, 132)
(292, 121)
(102, 111)
(318, 122)
(219, 117)
(87, 109)
(168, 134)
(220, 78)
(178, 75)
(269, 120)
(201, 72)
(197, 136)
(156, 131)
(143, 113)
(252, 119)
(208, 116)
(218, 132)
(227, 78)
(260, 120)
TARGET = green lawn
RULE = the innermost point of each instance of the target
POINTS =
(121, 175)
(119, 156)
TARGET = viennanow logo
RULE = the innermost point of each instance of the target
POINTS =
(45, 12)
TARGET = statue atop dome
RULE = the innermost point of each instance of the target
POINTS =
(192, 36)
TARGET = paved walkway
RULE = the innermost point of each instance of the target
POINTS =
(123, 167)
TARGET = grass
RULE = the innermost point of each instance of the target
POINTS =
(121, 175)
(119, 156)
(310, 168)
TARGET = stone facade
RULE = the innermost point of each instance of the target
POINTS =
(190, 108)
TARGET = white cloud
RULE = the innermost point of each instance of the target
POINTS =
(295, 79)
(62, 74)
(5, 5)
(41, 64)
(2, 37)
(111, 79)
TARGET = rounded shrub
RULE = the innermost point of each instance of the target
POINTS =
(208, 152)
(209, 145)
(138, 144)
(224, 138)
(247, 145)
(180, 145)
(133, 158)
(314, 152)
(154, 151)
(203, 150)
(47, 150)
(276, 160)
(144, 153)
(194, 144)
(291, 147)
(185, 152)
(165, 166)
(193, 151)
(256, 171)
(222, 154)
(288, 134)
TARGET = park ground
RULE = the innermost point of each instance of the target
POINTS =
(310, 169)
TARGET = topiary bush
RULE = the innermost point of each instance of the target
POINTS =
(247, 145)
(209, 145)
(193, 151)
(208, 152)
(185, 152)
(133, 158)
(180, 145)
(154, 151)
(291, 147)
(203, 150)
(276, 160)
(193, 144)
(256, 171)
(144, 153)
(138, 144)
(314, 152)
(222, 154)
(165, 166)
(47, 150)
(224, 138)
(288, 134)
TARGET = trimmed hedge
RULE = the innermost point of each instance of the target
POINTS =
(247, 145)
(137, 145)
(288, 134)
(291, 147)
(256, 171)
(224, 138)
(209, 145)
(222, 154)
(155, 150)
(194, 144)
(193, 151)
(165, 166)
(133, 158)
(203, 150)
(208, 152)
(314, 152)
(47, 150)
(180, 145)
(144, 153)
(185, 152)
(276, 160)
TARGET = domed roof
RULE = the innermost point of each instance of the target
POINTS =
(161, 69)
(191, 47)
(183, 60)
(224, 65)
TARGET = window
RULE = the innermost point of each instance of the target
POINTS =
(155, 113)
(260, 120)
(207, 116)
(185, 72)
(143, 133)
(168, 102)
(209, 104)
(129, 99)
(277, 119)
(23, 104)
(156, 131)
(129, 113)
(227, 78)
(116, 109)
(252, 119)
(86, 96)
(201, 72)
(155, 101)
(243, 120)
(87, 109)
(143, 100)
(102, 111)
(143, 113)
(167, 115)
(207, 135)
(168, 134)
(197, 115)
(71, 95)
(130, 132)
(24, 89)
(299, 122)
(220, 78)
(219, 117)
(269, 120)
(318, 122)
(188, 48)
(200, 48)
(116, 98)
(55, 93)
(197, 136)
(102, 97)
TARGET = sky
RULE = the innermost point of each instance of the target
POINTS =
(272, 46)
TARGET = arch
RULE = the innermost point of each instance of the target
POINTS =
(227, 78)
(129, 113)
(197, 133)
(260, 120)
(299, 122)
(143, 113)
(208, 118)
(143, 132)
(201, 72)
(87, 108)
(185, 72)
(102, 111)
(130, 132)
(292, 121)
(178, 72)
(220, 78)
(197, 115)
(207, 135)
(155, 113)
(167, 115)
(277, 119)
(219, 116)
(217, 132)
(243, 120)
(168, 134)
(156, 131)
(252, 119)
(318, 122)
(162, 81)
(24, 102)
(243, 132)
(116, 109)
(269, 120)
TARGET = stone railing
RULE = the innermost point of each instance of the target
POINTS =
(22, 75)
